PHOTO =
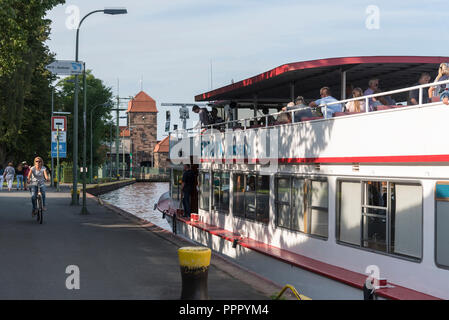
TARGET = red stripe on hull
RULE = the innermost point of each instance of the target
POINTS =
(370, 159)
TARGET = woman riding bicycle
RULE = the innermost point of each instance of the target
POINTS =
(36, 178)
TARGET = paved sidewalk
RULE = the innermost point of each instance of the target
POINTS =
(117, 258)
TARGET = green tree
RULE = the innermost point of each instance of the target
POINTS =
(99, 99)
(24, 82)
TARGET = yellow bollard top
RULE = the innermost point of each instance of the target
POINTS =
(194, 257)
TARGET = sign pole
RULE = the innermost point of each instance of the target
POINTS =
(57, 160)
(58, 145)
(84, 208)
(52, 166)
(68, 67)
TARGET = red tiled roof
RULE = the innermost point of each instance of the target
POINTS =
(142, 102)
(162, 146)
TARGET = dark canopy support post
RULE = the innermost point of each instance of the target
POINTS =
(343, 84)
(292, 91)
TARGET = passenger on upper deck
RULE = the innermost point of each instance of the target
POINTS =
(443, 74)
(358, 105)
(304, 111)
(413, 97)
(285, 117)
(379, 101)
(204, 115)
(215, 117)
(271, 119)
(326, 97)
(373, 85)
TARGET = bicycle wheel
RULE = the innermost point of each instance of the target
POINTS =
(39, 209)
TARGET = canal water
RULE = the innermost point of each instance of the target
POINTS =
(139, 199)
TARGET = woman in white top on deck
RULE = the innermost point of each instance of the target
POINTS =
(37, 177)
(357, 105)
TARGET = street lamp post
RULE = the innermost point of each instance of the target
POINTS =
(110, 150)
(75, 108)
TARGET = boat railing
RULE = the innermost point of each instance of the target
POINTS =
(269, 119)
(386, 93)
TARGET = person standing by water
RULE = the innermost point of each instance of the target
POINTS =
(9, 175)
(188, 183)
(37, 177)
(19, 176)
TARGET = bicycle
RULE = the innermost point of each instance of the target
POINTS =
(39, 206)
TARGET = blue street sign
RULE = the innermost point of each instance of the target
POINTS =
(62, 150)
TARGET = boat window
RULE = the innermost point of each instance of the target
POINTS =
(406, 220)
(350, 209)
(302, 205)
(442, 224)
(381, 215)
(204, 194)
(239, 195)
(263, 198)
(318, 208)
(216, 178)
(374, 215)
(283, 202)
(176, 181)
(251, 197)
(220, 200)
(298, 205)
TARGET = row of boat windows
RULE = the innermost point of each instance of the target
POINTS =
(382, 216)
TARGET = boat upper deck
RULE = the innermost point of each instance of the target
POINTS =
(305, 78)
(390, 134)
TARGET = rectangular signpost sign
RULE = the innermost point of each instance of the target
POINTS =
(66, 67)
(59, 129)
(62, 150)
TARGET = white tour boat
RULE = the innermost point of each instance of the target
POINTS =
(325, 202)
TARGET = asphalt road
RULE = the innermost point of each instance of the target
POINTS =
(115, 256)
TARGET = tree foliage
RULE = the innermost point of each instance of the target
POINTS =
(25, 84)
(99, 101)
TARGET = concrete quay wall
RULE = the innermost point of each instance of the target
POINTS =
(99, 189)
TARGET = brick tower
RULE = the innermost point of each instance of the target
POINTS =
(142, 114)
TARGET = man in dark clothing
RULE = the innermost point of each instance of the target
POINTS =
(187, 187)
(414, 94)
(205, 117)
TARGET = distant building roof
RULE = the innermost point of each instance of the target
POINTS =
(142, 102)
(124, 131)
(162, 146)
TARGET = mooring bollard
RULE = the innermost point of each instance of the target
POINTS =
(194, 263)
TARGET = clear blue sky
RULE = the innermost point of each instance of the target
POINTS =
(171, 43)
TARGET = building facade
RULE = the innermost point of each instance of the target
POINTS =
(161, 154)
(142, 117)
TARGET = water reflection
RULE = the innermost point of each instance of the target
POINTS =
(139, 199)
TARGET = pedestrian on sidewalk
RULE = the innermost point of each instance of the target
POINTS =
(19, 176)
(9, 175)
(1, 177)
(37, 177)
(188, 183)
(26, 170)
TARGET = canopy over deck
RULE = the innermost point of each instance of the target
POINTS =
(305, 78)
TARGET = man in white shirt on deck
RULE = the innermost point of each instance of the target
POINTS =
(326, 97)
